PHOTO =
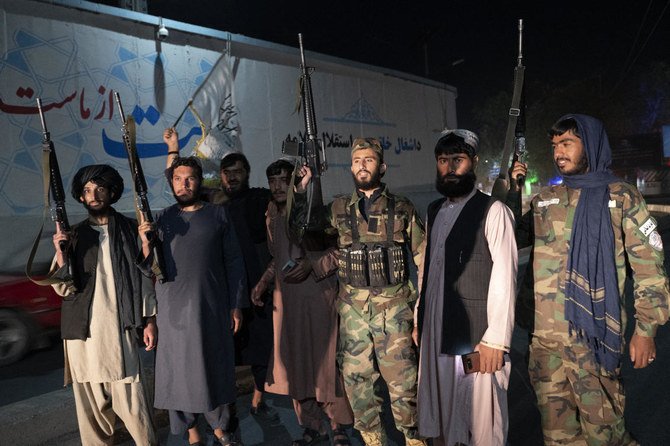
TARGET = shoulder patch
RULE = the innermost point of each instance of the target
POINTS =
(648, 226)
(655, 241)
(542, 204)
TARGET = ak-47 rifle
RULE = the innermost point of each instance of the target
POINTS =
(310, 149)
(141, 190)
(515, 138)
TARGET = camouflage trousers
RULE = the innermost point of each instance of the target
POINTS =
(578, 404)
(373, 343)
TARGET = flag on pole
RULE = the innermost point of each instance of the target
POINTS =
(213, 106)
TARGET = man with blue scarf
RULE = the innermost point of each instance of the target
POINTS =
(585, 233)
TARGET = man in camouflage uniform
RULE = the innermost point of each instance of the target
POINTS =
(577, 343)
(376, 322)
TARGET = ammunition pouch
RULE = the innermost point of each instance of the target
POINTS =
(378, 265)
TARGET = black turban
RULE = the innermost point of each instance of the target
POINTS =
(100, 174)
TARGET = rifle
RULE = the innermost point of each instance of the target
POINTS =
(311, 150)
(56, 190)
(140, 187)
(516, 125)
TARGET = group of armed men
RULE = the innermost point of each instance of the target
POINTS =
(326, 326)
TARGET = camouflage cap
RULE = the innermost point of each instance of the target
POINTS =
(368, 143)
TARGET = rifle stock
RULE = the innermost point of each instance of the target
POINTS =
(140, 187)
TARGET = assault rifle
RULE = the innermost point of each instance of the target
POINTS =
(140, 187)
(56, 190)
(515, 138)
(311, 150)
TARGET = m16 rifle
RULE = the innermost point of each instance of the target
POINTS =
(58, 213)
(140, 187)
(515, 138)
(53, 190)
(312, 152)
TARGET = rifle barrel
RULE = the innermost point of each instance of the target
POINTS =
(520, 58)
(117, 98)
(42, 120)
(302, 52)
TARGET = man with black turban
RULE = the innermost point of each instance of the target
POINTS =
(108, 307)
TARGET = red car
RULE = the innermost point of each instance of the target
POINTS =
(29, 315)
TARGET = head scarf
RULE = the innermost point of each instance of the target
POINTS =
(100, 174)
(592, 305)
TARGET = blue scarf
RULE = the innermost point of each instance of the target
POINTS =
(592, 305)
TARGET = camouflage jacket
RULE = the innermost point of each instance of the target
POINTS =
(637, 245)
(407, 229)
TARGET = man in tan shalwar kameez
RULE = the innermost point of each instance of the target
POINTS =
(303, 363)
(108, 308)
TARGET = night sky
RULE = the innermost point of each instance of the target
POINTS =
(563, 41)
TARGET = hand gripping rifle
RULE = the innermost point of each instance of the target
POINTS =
(515, 138)
(140, 186)
(312, 152)
(53, 187)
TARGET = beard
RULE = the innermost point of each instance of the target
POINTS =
(370, 184)
(185, 201)
(99, 212)
(454, 186)
(579, 168)
(238, 189)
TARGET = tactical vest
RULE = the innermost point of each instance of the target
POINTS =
(377, 264)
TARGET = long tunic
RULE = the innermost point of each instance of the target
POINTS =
(109, 354)
(195, 362)
(303, 363)
(445, 392)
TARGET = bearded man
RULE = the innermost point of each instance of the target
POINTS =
(107, 310)
(466, 304)
(199, 307)
(378, 234)
(246, 208)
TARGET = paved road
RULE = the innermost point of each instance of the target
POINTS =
(647, 408)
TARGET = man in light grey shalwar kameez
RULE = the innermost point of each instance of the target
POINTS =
(466, 304)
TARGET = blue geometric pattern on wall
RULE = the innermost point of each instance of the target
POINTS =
(18, 61)
(24, 39)
(126, 55)
(74, 139)
(23, 159)
(119, 73)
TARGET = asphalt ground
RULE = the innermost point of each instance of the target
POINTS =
(49, 419)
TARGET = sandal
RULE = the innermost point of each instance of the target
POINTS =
(310, 437)
(340, 438)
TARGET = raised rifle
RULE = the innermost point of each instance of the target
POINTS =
(55, 189)
(515, 139)
(141, 190)
(312, 152)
